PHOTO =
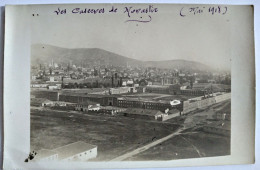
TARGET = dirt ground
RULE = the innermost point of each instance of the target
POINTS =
(118, 135)
(193, 143)
(114, 136)
(185, 146)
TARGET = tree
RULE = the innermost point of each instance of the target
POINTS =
(75, 85)
(181, 80)
(70, 85)
(192, 79)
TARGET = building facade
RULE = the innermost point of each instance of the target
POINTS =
(144, 104)
(78, 151)
(46, 155)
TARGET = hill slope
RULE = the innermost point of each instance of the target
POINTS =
(41, 53)
(45, 53)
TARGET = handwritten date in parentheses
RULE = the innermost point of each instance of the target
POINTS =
(213, 10)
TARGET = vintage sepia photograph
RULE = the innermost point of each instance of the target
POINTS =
(130, 82)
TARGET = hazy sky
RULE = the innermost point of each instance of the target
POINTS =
(201, 37)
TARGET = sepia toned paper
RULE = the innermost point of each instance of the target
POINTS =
(194, 104)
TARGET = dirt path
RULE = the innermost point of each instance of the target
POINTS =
(189, 123)
(144, 148)
(194, 147)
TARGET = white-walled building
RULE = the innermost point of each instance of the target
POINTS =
(86, 106)
(78, 151)
(41, 102)
(46, 155)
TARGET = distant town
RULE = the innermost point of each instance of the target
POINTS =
(104, 112)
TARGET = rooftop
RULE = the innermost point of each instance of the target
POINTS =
(111, 108)
(157, 86)
(87, 103)
(144, 100)
(86, 95)
(143, 112)
(44, 153)
(73, 149)
(173, 111)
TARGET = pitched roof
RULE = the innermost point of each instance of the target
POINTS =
(73, 149)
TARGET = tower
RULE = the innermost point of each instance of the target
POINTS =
(52, 64)
(112, 79)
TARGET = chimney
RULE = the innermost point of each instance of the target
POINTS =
(112, 79)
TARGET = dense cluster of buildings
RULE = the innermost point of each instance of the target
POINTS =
(116, 104)
(57, 76)
(116, 91)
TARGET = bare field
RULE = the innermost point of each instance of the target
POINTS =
(114, 136)
(117, 135)
(186, 146)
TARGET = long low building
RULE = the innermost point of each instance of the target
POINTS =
(142, 113)
(86, 106)
(39, 102)
(104, 100)
(202, 102)
(161, 105)
(78, 151)
(198, 89)
(125, 102)
(184, 106)
(46, 155)
(122, 90)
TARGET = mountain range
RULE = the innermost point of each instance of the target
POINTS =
(42, 53)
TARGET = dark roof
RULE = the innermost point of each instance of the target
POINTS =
(73, 149)
(87, 95)
(173, 111)
(144, 100)
(86, 103)
(143, 112)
